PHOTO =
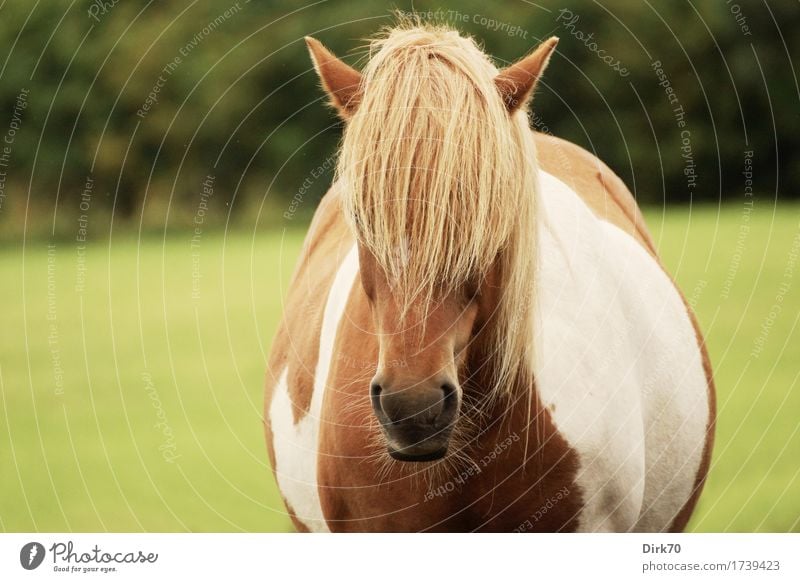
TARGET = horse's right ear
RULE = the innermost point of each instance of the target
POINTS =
(341, 81)
(517, 82)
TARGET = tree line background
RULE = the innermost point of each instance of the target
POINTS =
(144, 101)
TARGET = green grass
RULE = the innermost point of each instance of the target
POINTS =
(734, 270)
(87, 457)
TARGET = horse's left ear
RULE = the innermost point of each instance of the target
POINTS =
(517, 82)
(341, 81)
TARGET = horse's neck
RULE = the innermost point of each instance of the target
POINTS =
(480, 370)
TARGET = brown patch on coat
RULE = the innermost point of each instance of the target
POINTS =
(507, 492)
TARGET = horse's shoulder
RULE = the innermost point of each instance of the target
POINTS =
(596, 184)
(326, 244)
(327, 224)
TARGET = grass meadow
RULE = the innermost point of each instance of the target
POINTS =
(131, 373)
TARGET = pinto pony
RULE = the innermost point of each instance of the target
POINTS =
(479, 335)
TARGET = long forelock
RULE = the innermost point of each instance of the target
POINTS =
(438, 180)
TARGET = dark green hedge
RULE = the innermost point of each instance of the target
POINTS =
(147, 100)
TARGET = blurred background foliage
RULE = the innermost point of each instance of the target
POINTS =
(243, 103)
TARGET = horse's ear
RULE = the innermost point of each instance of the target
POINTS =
(340, 80)
(517, 82)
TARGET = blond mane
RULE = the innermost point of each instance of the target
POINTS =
(438, 181)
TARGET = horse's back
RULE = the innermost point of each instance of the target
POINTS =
(597, 185)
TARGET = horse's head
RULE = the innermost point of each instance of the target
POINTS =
(424, 343)
(437, 178)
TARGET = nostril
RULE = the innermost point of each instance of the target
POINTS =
(375, 395)
(450, 398)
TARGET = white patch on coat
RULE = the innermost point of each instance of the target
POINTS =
(618, 357)
(297, 445)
